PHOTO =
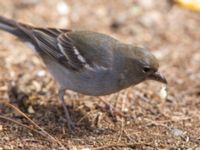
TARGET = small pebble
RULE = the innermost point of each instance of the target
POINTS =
(85, 149)
(36, 86)
(177, 132)
(1, 127)
(63, 8)
(31, 110)
(125, 110)
(6, 138)
(41, 73)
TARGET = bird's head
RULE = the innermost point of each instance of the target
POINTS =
(142, 65)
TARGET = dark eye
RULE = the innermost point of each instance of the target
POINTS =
(146, 69)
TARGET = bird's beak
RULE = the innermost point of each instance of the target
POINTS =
(157, 76)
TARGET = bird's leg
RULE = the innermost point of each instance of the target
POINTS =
(113, 112)
(70, 123)
(109, 108)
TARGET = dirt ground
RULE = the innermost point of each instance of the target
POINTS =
(143, 120)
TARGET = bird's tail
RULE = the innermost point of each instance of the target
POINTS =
(20, 30)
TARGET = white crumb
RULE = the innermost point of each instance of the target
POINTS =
(163, 92)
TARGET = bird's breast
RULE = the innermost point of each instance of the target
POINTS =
(90, 82)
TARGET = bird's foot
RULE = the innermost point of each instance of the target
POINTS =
(109, 109)
(113, 113)
(69, 122)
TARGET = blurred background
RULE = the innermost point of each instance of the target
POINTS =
(170, 29)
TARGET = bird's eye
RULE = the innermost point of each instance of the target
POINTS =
(146, 69)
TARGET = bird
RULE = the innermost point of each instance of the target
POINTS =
(86, 62)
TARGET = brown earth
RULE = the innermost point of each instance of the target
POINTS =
(144, 120)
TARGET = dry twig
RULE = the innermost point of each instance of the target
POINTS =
(44, 133)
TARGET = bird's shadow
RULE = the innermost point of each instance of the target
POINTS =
(50, 117)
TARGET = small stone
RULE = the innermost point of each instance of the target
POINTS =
(63, 8)
(1, 127)
(20, 145)
(31, 110)
(41, 73)
(85, 149)
(36, 86)
(177, 132)
(125, 110)
(6, 138)
(128, 122)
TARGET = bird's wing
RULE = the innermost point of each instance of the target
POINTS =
(46, 43)
(77, 50)
(73, 49)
